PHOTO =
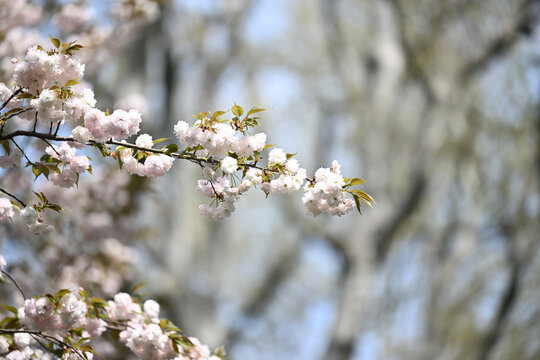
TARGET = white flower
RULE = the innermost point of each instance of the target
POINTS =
(151, 309)
(79, 164)
(277, 156)
(29, 215)
(229, 165)
(145, 141)
(81, 134)
(6, 209)
(292, 165)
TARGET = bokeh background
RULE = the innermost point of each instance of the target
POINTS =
(435, 103)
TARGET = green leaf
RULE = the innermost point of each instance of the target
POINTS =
(157, 141)
(55, 42)
(12, 111)
(237, 110)
(357, 201)
(72, 82)
(10, 323)
(97, 301)
(290, 155)
(183, 341)
(61, 293)
(11, 309)
(169, 149)
(365, 197)
(5, 145)
(25, 95)
(268, 146)
(194, 148)
(37, 171)
(354, 181)
(217, 114)
(137, 287)
(84, 293)
(255, 110)
(45, 171)
(221, 353)
(54, 207)
(54, 168)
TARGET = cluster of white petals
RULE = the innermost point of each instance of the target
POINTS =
(144, 335)
(51, 94)
(35, 223)
(40, 71)
(6, 209)
(42, 314)
(326, 193)
(72, 18)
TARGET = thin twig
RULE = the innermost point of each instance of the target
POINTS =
(52, 146)
(57, 128)
(26, 157)
(35, 121)
(18, 113)
(14, 283)
(180, 155)
(49, 338)
(10, 98)
(13, 196)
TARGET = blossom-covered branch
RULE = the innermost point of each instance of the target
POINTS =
(48, 89)
(65, 324)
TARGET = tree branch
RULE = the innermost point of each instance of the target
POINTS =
(13, 196)
(501, 45)
(508, 298)
(10, 98)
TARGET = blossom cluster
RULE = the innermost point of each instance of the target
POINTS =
(149, 337)
(237, 156)
(231, 158)
(46, 91)
(57, 315)
(326, 193)
(72, 321)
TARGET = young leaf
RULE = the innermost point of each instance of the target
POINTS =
(169, 149)
(221, 353)
(5, 145)
(217, 114)
(237, 110)
(55, 42)
(37, 171)
(10, 308)
(357, 201)
(137, 287)
(159, 140)
(255, 110)
(365, 197)
(354, 181)
(72, 82)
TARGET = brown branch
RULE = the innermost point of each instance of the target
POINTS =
(385, 236)
(503, 44)
(509, 296)
(10, 98)
(180, 155)
(14, 282)
(13, 196)
(46, 337)
(416, 71)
